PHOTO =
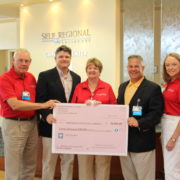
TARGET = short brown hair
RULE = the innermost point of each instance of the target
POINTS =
(165, 75)
(63, 48)
(96, 62)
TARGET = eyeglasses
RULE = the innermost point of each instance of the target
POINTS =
(26, 61)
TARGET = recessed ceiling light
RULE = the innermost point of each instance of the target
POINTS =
(50, 0)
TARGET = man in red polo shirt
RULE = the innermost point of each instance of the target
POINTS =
(19, 128)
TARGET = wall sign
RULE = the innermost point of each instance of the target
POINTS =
(72, 36)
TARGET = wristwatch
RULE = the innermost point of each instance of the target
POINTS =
(173, 139)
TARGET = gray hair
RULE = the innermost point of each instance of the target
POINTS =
(136, 56)
(21, 50)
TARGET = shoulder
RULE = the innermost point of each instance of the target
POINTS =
(82, 85)
(5, 77)
(74, 74)
(48, 72)
(123, 84)
(30, 75)
(105, 84)
(151, 84)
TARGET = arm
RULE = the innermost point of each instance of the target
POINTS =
(9, 95)
(172, 141)
(112, 98)
(154, 110)
(75, 95)
(42, 94)
(121, 91)
(20, 105)
(118, 98)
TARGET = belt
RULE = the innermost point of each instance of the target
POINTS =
(21, 119)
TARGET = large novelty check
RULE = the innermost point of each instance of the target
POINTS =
(83, 129)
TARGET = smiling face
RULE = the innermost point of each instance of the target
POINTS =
(21, 62)
(93, 71)
(63, 59)
(172, 66)
(135, 69)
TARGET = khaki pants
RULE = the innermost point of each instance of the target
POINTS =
(138, 166)
(94, 170)
(20, 142)
(50, 160)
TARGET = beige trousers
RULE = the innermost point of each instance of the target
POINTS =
(94, 167)
(50, 160)
(20, 142)
(138, 166)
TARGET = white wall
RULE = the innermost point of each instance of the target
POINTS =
(9, 35)
(99, 16)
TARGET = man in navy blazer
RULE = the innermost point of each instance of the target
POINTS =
(58, 83)
(145, 109)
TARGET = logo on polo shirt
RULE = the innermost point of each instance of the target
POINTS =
(170, 90)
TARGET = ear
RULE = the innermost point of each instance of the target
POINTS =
(142, 68)
(12, 60)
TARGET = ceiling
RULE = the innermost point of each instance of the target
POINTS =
(9, 9)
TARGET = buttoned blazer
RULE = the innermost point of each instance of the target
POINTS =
(149, 97)
(49, 86)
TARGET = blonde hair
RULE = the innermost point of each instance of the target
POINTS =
(165, 75)
(96, 62)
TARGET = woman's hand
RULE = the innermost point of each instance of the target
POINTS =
(170, 145)
(92, 102)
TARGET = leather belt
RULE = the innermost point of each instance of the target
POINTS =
(21, 119)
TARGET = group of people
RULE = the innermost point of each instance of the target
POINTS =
(22, 99)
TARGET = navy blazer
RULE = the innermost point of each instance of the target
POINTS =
(149, 97)
(49, 86)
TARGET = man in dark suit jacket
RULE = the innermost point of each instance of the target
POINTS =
(145, 109)
(57, 83)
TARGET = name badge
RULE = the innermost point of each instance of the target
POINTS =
(26, 95)
(137, 111)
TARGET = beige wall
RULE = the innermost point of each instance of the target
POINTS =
(9, 35)
(3, 61)
(98, 16)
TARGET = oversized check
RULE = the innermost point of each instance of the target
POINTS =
(83, 129)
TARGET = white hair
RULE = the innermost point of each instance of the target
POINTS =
(21, 50)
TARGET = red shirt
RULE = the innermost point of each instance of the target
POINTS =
(11, 86)
(103, 93)
(172, 98)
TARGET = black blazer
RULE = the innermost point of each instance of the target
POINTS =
(49, 86)
(149, 95)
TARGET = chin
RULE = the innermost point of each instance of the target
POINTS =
(23, 71)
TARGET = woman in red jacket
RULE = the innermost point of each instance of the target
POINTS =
(94, 91)
(171, 117)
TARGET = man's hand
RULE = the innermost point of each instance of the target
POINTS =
(49, 104)
(133, 122)
(50, 119)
